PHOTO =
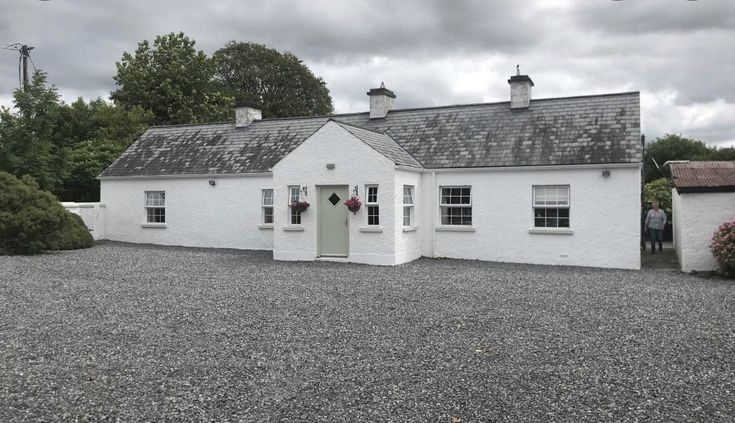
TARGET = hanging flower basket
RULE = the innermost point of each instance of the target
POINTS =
(353, 204)
(299, 206)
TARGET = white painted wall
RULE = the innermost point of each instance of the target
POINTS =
(408, 239)
(226, 215)
(697, 217)
(92, 215)
(605, 218)
(355, 164)
(676, 209)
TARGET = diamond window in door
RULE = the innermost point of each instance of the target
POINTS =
(334, 198)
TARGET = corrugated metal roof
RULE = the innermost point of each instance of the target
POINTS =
(705, 176)
(558, 131)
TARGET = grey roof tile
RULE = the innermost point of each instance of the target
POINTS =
(558, 131)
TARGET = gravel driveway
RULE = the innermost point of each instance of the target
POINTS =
(134, 332)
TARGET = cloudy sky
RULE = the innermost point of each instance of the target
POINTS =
(679, 54)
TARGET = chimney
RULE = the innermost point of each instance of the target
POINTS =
(246, 113)
(520, 90)
(381, 101)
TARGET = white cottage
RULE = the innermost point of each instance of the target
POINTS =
(702, 199)
(549, 181)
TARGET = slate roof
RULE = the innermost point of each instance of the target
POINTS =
(383, 144)
(712, 176)
(597, 129)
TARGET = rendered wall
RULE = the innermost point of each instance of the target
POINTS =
(698, 215)
(605, 216)
(355, 164)
(226, 215)
(408, 239)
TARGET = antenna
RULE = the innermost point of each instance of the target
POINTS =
(25, 55)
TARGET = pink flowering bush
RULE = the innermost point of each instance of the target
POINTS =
(723, 247)
(299, 206)
(353, 204)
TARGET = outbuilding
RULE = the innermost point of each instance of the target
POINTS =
(702, 199)
(548, 181)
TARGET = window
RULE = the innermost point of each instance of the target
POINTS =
(267, 204)
(407, 205)
(373, 210)
(294, 194)
(456, 206)
(551, 206)
(155, 206)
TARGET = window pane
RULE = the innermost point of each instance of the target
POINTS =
(563, 212)
(294, 194)
(373, 215)
(372, 194)
(295, 217)
(407, 216)
(456, 216)
(267, 215)
(563, 222)
(407, 194)
(267, 197)
(156, 215)
(155, 198)
(455, 195)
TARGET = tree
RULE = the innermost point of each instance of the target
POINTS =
(27, 137)
(171, 79)
(32, 220)
(659, 190)
(671, 147)
(279, 82)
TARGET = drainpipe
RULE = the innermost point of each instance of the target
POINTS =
(434, 206)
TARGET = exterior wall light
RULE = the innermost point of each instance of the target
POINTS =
(303, 189)
(354, 190)
(330, 166)
(211, 182)
(605, 173)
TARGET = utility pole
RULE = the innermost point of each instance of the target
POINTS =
(25, 52)
(25, 55)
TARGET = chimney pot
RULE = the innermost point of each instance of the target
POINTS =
(246, 113)
(520, 91)
(381, 101)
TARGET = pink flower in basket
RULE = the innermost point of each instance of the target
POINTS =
(299, 206)
(353, 204)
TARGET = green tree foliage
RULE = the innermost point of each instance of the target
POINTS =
(279, 82)
(676, 147)
(32, 220)
(659, 190)
(171, 79)
(27, 137)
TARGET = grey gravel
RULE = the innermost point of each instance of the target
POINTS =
(139, 333)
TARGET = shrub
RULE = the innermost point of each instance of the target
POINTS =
(32, 220)
(723, 248)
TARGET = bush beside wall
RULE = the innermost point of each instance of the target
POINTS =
(723, 248)
(32, 220)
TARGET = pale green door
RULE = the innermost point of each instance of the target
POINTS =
(333, 218)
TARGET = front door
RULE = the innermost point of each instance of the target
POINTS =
(333, 219)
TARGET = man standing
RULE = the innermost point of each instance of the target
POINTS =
(656, 221)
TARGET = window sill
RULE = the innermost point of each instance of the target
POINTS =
(293, 228)
(410, 228)
(154, 225)
(373, 229)
(551, 231)
(265, 226)
(454, 228)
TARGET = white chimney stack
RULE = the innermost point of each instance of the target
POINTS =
(381, 101)
(246, 113)
(520, 90)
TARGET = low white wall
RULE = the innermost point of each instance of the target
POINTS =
(225, 215)
(698, 215)
(92, 215)
(605, 217)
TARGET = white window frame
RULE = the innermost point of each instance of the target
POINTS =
(556, 203)
(446, 206)
(294, 194)
(408, 206)
(266, 207)
(152, 202)
(375, 204)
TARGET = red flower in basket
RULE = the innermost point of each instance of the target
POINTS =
(299, 206)
(353, 204)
